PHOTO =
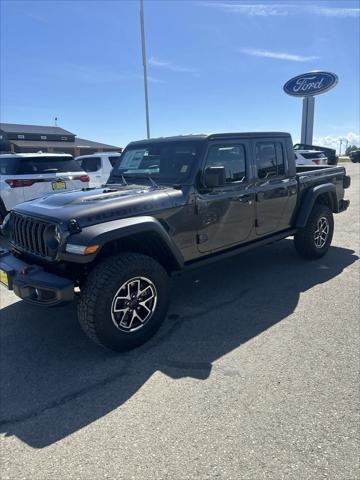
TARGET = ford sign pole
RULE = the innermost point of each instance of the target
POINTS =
(307, 124)
(307, 85)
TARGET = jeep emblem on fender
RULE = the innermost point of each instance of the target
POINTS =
(310, 84)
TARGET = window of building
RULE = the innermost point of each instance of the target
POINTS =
(43, 137)
(21, 137)
(232, 157)
(64, 138)
(269, 159)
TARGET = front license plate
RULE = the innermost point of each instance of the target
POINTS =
(59, 185)
(4, 278)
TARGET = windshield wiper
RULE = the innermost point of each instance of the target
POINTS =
(123, 181)
(153, 183)
(148, 176)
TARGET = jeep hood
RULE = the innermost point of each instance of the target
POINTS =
(97, 205)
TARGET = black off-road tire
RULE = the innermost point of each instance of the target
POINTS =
(304, 238)
(99, 290)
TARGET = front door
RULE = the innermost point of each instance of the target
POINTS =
(227, 213)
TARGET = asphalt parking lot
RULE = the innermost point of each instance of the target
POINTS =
(254, 375)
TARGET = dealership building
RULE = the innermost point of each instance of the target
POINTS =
(17, 138)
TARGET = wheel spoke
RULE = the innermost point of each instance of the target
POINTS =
(123, 316)
(137, 283)
(143, 304)
(136, 315)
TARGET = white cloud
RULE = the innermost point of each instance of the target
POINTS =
(334, 142)
(154, 62)
(283, 9)
(278, 55)
(254, 10)
(337, 12)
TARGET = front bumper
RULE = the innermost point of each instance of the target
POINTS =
(32, 283)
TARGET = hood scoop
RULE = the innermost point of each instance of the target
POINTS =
(110, 194)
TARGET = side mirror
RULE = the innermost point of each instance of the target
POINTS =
(214, 177)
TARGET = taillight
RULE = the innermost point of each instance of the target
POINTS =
(317, 162)
(84, 178)
(18, 182)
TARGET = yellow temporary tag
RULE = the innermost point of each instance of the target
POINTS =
(184, 169)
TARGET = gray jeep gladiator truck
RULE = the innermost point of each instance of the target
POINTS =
(169, 204)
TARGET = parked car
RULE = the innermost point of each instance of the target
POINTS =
(25, 176)
(98, 166)
(355, 156)
(330, 153)
(310, 157)
(170, 204)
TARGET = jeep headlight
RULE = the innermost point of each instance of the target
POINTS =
(53, 237)
(57, 234)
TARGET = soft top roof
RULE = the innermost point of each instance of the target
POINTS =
(211, 136)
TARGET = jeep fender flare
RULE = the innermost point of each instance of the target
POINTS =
(104, 233)
(309, 199)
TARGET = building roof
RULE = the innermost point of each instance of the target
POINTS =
(82, 142)
(38, 129)
(79, 143)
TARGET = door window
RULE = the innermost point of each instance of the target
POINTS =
(91, 164)
(232, 157)
(269, 159)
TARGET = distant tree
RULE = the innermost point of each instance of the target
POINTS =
(350, 148)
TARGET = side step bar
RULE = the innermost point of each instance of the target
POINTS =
(237, 250)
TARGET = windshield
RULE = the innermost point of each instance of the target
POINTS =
(164, 162)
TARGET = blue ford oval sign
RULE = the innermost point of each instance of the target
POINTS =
(311, 83)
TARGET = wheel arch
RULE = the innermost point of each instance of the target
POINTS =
(321, 194)
(144, 235)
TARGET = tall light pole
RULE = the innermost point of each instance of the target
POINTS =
(143, 49)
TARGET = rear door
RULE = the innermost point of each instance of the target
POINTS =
(94, 168)
(275, 191)
(49, 174)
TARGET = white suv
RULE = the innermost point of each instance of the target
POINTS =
(310, 157)
(25, 176)
(98, 166)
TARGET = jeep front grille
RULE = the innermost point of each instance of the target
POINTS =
(29, 235)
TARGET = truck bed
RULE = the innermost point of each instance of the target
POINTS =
(319, 173)
(311, 176)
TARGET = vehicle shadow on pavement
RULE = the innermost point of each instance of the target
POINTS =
(54, 381)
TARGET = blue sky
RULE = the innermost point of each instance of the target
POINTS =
(213, 66)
